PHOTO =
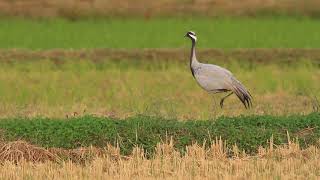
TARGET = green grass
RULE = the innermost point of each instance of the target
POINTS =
(247, 132)
(125, 88)
(268, 32)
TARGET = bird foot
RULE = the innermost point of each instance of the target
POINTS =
(221, 103)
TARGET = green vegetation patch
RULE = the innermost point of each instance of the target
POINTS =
(268, 32)
(247, 132)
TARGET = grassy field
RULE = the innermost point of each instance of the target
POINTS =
(126, 88)
(68, 84)
(272, 32)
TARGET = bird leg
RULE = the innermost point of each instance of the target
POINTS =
(214, 105)
(222, 100)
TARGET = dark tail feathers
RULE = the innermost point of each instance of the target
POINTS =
(242, 93)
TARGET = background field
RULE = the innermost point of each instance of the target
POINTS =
(103, 89)
(268, 32)
(75, 9)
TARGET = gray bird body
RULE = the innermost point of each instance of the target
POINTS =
(216, 79)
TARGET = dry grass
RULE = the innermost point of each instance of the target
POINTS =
(20, 150)
(283, 162)
(147, 9)
(126, 88)
(278, 103)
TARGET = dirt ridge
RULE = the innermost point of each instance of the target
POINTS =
(253, 55)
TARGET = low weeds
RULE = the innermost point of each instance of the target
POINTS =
(247, 132)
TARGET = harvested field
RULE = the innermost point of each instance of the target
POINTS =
(114, 98)
(286, 161)
(75, 9)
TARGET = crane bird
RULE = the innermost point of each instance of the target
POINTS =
(215, 79)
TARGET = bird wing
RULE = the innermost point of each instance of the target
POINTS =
(215, 79)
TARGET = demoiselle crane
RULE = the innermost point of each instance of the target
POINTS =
(215, 79)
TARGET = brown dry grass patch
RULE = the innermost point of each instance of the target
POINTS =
(79, 8)
(252, 55)
(20, 150)
(284, 162)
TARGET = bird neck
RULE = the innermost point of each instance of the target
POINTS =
(193, 58)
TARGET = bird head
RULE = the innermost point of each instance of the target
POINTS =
(191, 35)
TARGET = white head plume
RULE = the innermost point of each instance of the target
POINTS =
(192, 35)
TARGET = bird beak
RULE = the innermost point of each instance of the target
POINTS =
(185, 35)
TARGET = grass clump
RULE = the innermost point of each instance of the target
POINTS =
(143, 131)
